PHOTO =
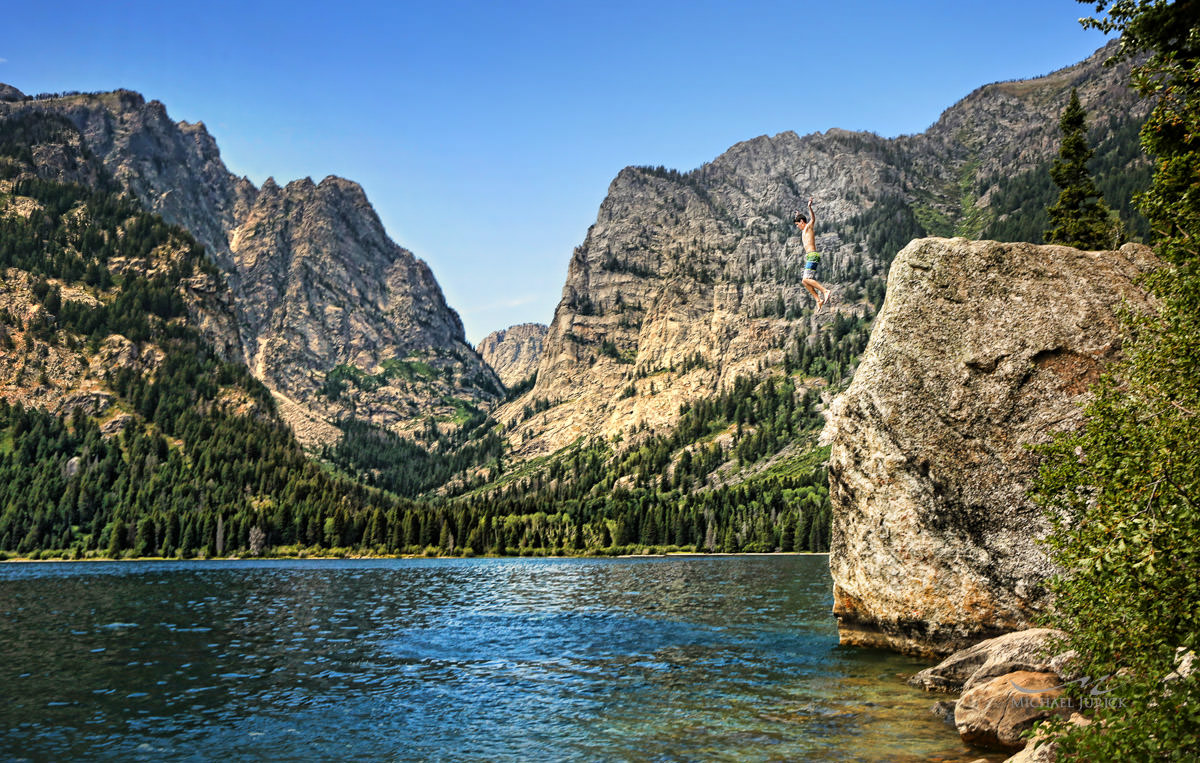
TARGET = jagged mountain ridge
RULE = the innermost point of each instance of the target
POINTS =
(688, 280)
(333, 316)
(38, 368)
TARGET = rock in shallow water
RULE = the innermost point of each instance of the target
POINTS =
(944, 710)
(995, 714)
(981, 349)
(1024, 650)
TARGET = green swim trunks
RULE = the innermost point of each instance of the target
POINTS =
(811, 260)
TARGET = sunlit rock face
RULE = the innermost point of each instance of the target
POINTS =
(981, 350)
(514, 352)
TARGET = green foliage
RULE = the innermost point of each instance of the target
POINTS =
(1125, 494)
(972, 219)
(1079, 218)
(1171, 77)
(391, 369)
(609, 349)
(932, 220)
(1121, 172)
(1124, 491)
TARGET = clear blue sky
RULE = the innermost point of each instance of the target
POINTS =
(486, 133)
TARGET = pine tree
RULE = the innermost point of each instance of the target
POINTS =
(1079, 218)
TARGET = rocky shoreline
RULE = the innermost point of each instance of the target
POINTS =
(981, 352)
(1008, 684)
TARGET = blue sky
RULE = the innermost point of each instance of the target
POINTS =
(486, 134)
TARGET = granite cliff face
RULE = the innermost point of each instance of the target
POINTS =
(334, 317)
(514, 352)
(687, 281)
(981, 350)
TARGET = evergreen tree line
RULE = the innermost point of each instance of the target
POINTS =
(660, 490)
(580, 500)
(1024, 198)
(401, 465)
(204, 467)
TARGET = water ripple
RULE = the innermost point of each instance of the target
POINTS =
(665, 659)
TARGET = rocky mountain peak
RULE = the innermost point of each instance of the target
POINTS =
(322, 294)
(514, 352)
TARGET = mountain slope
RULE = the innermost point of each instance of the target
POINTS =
(123, 431)
(688, 280)
(322, 295)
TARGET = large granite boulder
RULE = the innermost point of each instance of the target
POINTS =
(981, 349)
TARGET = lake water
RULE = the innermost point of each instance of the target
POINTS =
(705, 658)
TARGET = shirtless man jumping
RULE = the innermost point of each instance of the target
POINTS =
(812, 257)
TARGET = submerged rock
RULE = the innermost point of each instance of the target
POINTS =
(981, 349)
(943, 709)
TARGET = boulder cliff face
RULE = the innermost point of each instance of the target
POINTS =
(981, 349)
(333, 316)
(688, 280)
(514, 352)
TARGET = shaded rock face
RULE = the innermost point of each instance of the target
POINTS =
(687, 281)
(514, 352)
(174, 169)
(981, 349)
(317, 286)
(59, 374)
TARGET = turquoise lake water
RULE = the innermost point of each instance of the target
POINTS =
(693, 658)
